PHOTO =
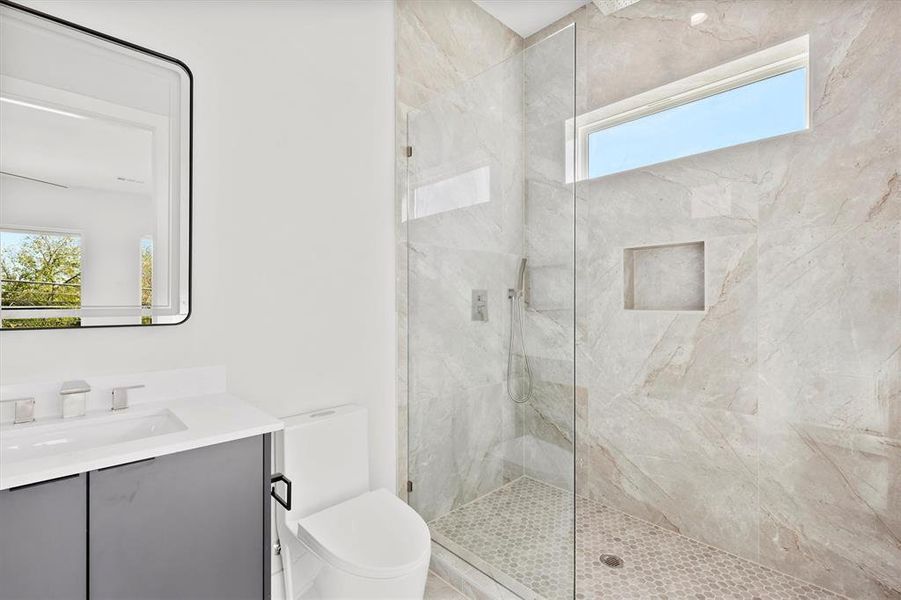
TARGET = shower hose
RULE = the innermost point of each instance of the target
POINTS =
(516, 310)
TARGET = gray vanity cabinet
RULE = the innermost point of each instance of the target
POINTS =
(187, 525)
(43, 540)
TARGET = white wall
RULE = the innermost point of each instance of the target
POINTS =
(293, 144)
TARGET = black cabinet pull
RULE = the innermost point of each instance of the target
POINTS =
(275, 479)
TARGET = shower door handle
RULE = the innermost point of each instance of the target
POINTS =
(286, 503)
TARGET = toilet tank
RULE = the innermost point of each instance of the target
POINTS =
(325, 454)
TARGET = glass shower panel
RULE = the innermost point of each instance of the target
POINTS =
(491, 399)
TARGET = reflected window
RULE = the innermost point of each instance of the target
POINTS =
(146, 277)
(458, 191)
(40, 270)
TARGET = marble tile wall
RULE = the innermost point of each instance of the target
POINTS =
(770, 423)
(440, 45)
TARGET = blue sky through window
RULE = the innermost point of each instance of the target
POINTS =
(11, 241)
(759, 110)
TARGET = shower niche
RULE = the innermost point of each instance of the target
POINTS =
(664, 277)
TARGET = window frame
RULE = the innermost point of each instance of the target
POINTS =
(773, 61)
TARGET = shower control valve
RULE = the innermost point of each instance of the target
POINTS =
(479, 305)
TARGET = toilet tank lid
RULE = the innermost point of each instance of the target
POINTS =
(311, 417)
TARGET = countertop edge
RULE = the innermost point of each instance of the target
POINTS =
(164, 448)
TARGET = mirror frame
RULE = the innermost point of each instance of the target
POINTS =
(190, 199)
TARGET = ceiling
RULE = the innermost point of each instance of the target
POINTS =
(66, 149)
(526, 17)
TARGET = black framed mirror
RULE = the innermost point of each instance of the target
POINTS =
(95, 178)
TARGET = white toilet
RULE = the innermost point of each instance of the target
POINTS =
(341, 540)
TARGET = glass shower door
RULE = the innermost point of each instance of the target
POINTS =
(491, 399)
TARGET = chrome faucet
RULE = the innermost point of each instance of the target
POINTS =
(120, 396)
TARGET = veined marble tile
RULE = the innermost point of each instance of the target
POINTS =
(845, 169)
(550, 286)
(697, 358)
(712, 194)
(652, 43)
(854, 46)
(464, 432)
(462, 446)
(553, 370)
(548, 423)
(656, 460)
(547, 462)
(475, 132)
(546, 155)
(550, 415)
(550, 71)
(442, 44)
(487, 441)
(830, 324)
(450, 351)
(432, 466)
(549, 335)
(830, 507)
(549, 234)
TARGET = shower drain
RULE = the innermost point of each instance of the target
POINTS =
(611, 561)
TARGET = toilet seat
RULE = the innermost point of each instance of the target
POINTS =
(374, 535)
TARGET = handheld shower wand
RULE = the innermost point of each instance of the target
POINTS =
(521, 278)
(517, 300)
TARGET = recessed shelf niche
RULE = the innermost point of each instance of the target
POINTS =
(664, 277)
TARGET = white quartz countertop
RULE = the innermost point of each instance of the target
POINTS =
(207, 420)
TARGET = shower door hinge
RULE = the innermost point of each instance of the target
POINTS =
(409, 486)
(409, 151)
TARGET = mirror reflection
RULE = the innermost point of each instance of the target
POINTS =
(94, 179)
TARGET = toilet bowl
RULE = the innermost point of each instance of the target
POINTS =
(340, 539)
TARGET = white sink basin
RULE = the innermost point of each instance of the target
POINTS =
(39, 440)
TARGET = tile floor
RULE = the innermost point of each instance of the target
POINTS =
(521, 534)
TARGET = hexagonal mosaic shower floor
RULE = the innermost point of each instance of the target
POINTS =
(521, 535)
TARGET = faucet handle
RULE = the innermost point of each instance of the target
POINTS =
(24, 409)
(120, 396)
(77, 386)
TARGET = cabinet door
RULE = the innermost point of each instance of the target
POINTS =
(187, 525)
(43, 542)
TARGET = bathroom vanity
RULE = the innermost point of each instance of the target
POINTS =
(176, 514)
